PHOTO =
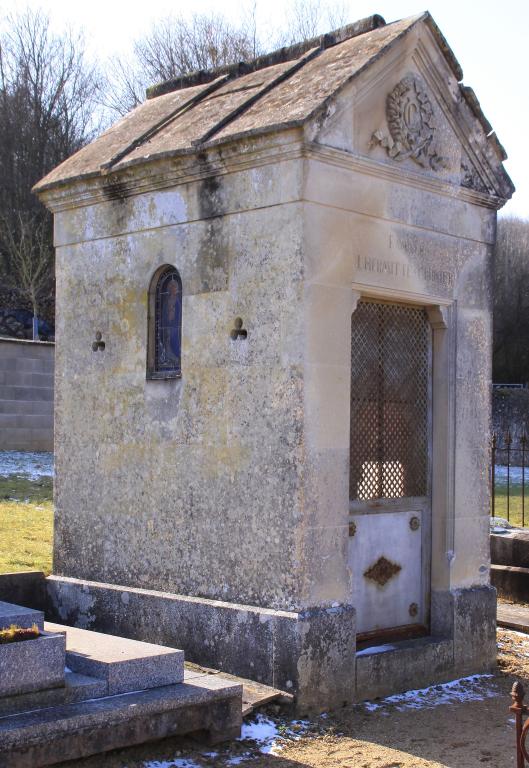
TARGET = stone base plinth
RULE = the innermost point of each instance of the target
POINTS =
(310, 653)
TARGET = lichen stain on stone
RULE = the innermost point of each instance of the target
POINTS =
(75, 606)
(212, 255)
(115, 193)
(227, 460)
(131, 304)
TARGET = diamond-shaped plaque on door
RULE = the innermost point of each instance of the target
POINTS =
(382, 571)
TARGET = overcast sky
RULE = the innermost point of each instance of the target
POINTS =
(489, 38)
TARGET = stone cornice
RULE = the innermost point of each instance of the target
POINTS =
(173, 171)
(399, 175)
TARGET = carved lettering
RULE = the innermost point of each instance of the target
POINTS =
(400, 270)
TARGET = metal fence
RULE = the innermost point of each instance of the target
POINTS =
(508, 478)
(519, 709)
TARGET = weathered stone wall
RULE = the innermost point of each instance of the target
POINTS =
(200, 486)
(391, 254)
(189, 485)
(26, 395)
(392, 234)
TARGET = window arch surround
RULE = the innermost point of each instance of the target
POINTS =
(164, 332)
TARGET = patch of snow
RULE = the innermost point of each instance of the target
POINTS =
(262, 730)
(269, 738)
(515, 474)
(375, 649)
(178, 762)
(237, 759)
(473, 688)
(500, 524)
(29, 464)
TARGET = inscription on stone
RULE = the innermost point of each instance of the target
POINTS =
(401, 271)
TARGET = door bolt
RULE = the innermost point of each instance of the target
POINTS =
(352, 528)
(413, 609)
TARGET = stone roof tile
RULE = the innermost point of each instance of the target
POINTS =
(296, 99)
(102, 150)
(236, 102)
(276, 91)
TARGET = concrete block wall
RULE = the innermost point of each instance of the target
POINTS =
(26, 395)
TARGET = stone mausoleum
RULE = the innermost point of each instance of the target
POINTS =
(273, 367)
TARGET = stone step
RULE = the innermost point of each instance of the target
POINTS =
(511, 582)
(32, 665)
(126, 665)
(76, 688)
(513, 617)
(56, 734)
(20, 616)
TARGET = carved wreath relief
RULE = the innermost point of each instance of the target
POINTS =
(470, 178)
(411, 124)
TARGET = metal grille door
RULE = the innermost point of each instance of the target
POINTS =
(390, 363)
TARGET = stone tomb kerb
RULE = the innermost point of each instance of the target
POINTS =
(317, 470)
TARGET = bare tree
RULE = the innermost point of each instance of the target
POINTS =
(47, 103)
(176, 46)
(308, 18)
(124, 87)
(27, 264)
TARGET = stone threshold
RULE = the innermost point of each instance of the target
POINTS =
(254, 695)
(391, 668)
(76, 688)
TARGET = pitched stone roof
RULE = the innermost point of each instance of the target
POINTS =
(276, 91)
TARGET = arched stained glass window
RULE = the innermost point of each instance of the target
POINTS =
(165, 325)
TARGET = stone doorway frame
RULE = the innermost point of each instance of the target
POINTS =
(442, 316)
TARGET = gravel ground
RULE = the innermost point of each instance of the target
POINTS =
(463, 724)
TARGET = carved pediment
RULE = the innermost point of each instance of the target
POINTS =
(412, 125)
(470, 178)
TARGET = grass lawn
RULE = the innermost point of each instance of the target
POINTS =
(515, 503)
(26, 524)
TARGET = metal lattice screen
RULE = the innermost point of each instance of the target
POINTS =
(390, 380)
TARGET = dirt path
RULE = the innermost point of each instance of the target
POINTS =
(459, 725)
